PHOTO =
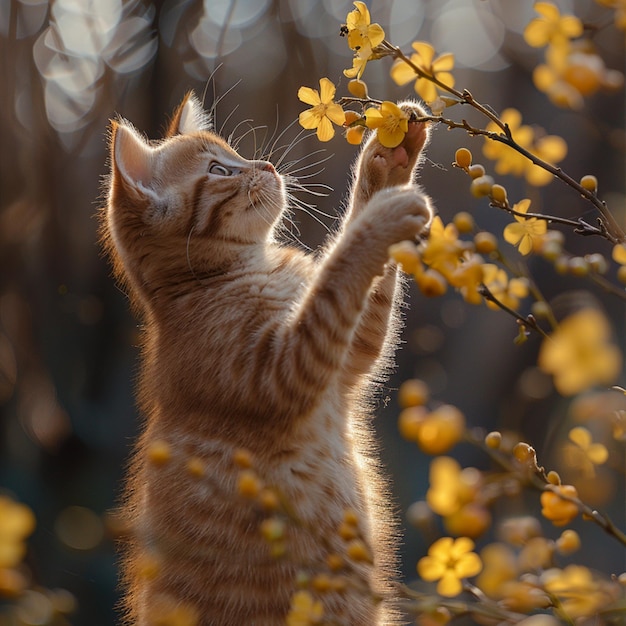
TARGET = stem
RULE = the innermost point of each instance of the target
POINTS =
(529, 320)
(538, 481)
(614, 232)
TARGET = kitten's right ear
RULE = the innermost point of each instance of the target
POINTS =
(189, 117)
(132, 159)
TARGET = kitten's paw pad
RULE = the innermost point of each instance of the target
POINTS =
(382, 167)
(401, 213)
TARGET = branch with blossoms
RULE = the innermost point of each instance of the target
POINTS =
(519, 575)
(433, 75)
(516, 148)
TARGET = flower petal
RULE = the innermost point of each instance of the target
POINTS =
(335, 113)
(449, 585)
(327, 91)
(325, 130)
(309, 119)
(468, 565)
(430, 569)
(402, 73)
(309, 96)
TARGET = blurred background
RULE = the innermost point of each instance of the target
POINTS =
(68, 343)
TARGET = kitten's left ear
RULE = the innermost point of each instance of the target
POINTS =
(189, 117)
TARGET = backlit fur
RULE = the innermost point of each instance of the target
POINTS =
(251, 344)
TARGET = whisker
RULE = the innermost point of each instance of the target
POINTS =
(252, 129)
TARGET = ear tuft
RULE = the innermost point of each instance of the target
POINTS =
(189, 117)
(132, 158)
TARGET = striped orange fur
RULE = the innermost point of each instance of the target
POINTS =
(251, 344)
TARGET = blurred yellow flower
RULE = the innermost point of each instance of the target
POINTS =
(572, 72)
(579, 354)
(468, 277)
(505, 290)
(522, 232)
(620, 11)
(582, 453)
(450, 560)
(440, 430)
(619, 253)
(450, 486)
(443, 248)
(17, 522)
(549, 148)
(551, 27)
(579, 592)
(324, 111)
(305, 610)
(499, 566)
(424, 58)
(390, 122)
(558, 510)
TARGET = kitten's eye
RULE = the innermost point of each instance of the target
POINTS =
(220, 170)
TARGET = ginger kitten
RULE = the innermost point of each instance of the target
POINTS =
(251, 344)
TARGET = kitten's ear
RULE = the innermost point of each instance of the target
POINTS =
(132, 159)
(189, 117)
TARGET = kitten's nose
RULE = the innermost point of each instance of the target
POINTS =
(266, 166)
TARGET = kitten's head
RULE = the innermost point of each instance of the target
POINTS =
(190, 185)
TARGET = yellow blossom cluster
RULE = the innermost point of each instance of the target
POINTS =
(424, 68)
(573, 69)
(521, 574)
(549, 148)
(17, 522)
(446, 259)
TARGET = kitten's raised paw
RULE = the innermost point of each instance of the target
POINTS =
(400, 212)
(381, 167)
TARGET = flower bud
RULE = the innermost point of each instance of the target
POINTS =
(481, 186)
(590, 183)
(357, 88)
(463, 158)
(476, 170)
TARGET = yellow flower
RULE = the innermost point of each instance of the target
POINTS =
(549, 148)
(551, 27)
(468, 278)
(304, 610)
(572, 72)
(579, 354)
(17, 522)
(424, 58)
(506, 291)
(580, 593)
(522, 232)
(324, 110)
(620, 11)
(443, 249)
(508, 160)
(391, 122)
(499, 566)
(619, 253)
(555, 508)
(582, 454)
(451, 487)
(440, 430)
(363, 37)
(448, 561)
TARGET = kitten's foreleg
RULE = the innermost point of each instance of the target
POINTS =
(315, 344)
(377, 168)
